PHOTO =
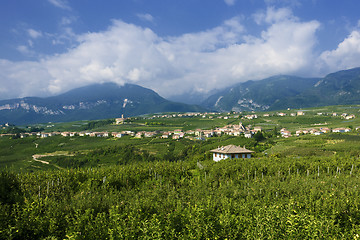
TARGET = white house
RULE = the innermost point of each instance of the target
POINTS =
(65, 134)
(257, 129)
(23, 135)
(248, 135)
(341, 130)
(120, 120)
(285, 133)
(44, 135)
(119, 135)
(139, 134)
(230, 151)
(300, 113)
(165, 135)
(350, 116)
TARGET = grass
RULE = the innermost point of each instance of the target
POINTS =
(16, 154)
(311, 119)
(324, 145)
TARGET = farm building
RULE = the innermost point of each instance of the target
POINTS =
(120, 120)
(230, 151)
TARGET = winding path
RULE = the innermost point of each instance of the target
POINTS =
(36, 157)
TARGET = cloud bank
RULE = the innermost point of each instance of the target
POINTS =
(345, 56)
(193, 62)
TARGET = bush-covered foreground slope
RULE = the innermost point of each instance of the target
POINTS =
(261, 198)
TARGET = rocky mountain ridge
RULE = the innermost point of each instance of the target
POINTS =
(281, 92)
(98, 101)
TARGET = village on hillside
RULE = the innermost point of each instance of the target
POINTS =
(238, 129)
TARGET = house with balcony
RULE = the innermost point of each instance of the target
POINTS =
(230, 152)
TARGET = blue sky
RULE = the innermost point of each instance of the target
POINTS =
(171, 46)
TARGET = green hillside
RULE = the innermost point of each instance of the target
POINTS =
(281, 92)
(153, 188)
(267, 197)
(98, 101)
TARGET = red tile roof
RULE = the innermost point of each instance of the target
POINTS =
(230, 149)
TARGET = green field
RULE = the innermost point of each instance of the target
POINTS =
(16, 154)
(154, 188)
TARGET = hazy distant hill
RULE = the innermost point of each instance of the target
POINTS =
(342, 87)
(96, 101)
(259, 95)
(280, 92)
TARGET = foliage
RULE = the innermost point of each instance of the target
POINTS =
(154, 123)
(95, 124)
(153, 188)
(12, 130)
(118, 155)
(259, 136)
(10, 191)
(271, 198)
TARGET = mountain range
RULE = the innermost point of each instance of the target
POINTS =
(98, 101)
(281, 92)
(108, 100)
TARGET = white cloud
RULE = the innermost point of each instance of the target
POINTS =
(67, 20)
(215, 58)
(31, 43)
(229, 2)
(345, 56)
(63, 4)
(23, 49)
(273, 15)
(291, 3)
(23, 79)
(34, 34)
(66, 35)
(145, 17)
(26, 50)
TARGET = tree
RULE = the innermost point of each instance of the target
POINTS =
(10, 191)
(259, 136)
